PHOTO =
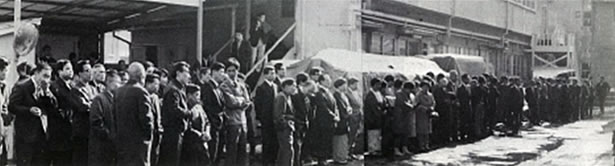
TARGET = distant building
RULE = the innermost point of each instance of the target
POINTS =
(603, 41)
(498, 30)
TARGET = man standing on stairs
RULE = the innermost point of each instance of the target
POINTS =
(258, 36)
(602, 90)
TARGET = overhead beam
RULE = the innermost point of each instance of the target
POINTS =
(56, 3)
(48, 13)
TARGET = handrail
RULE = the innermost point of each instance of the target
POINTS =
(215, 56)
(262, 60)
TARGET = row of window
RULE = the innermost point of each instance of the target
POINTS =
(526, 3)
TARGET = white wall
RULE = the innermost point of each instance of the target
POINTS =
(325, 24)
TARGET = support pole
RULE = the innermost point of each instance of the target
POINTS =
(199, 33)
(17, 15)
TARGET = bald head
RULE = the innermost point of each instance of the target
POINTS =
(136, 71)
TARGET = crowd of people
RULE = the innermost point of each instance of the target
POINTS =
(81, 113)
(403, 117)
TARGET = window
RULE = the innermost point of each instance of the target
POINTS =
(376, 44)
(115, 48)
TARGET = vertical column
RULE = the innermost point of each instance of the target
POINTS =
(199, 33)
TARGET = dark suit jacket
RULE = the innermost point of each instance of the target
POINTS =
(301, 103)
(263, 103)
(344, 109)
(81, 99)
(28, 128)
(374, 111)
(212, 103)
(101, 117)
(175, 112)
(463, 95)
(133, 114)
(60, 127)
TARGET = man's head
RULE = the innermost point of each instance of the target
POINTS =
(64, 68)
(309, 87)
(376, 83)
(84, 71)
(4, 64)
(301, 78)
(204, 75)
(574, 82)
(42, 74)
(123, 76)
(99, 72)
(112, 80)
(24, 69)
(217, 72)
(340, 84)
(390, 79)
(325, 80)
(152, 83)
(425, 86)
(601, 78)
(238, 36)
(431, 75)
(408, 86)
(269, 73)
(443, 82)
(181, 72)
(289, 86)
(280, 69)
(261, 17)
(315, 73)
(465, 78)
(353, 83)
(453, 75)
(232, 68)
(137, 72)
(193, 92)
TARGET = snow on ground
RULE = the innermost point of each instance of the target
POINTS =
(577, 144)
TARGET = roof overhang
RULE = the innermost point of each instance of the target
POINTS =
(86, 16)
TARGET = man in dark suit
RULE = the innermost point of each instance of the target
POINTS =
(602, 91)
(284, 117)
(152, 84)
(465, 108)
(575, 93)
(134, 119)
(241, 50)
(303, 110)
(101, 149)
(82, 95)
(30, 101)
(263, 104)
(175, 114)
(374, 115)
(213, 103)
(60, 128)
(258, 36)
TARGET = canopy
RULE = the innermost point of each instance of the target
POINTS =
(464, 64)
(552, 72)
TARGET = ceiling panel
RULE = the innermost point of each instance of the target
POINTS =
(41, 7)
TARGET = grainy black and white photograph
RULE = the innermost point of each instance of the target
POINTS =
(307, 82)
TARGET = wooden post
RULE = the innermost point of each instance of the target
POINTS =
(199, 33)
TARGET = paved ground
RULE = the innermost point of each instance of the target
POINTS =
(577, 144)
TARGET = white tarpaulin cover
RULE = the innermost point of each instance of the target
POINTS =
(345, 61)
(464, 64)
(551, 72)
